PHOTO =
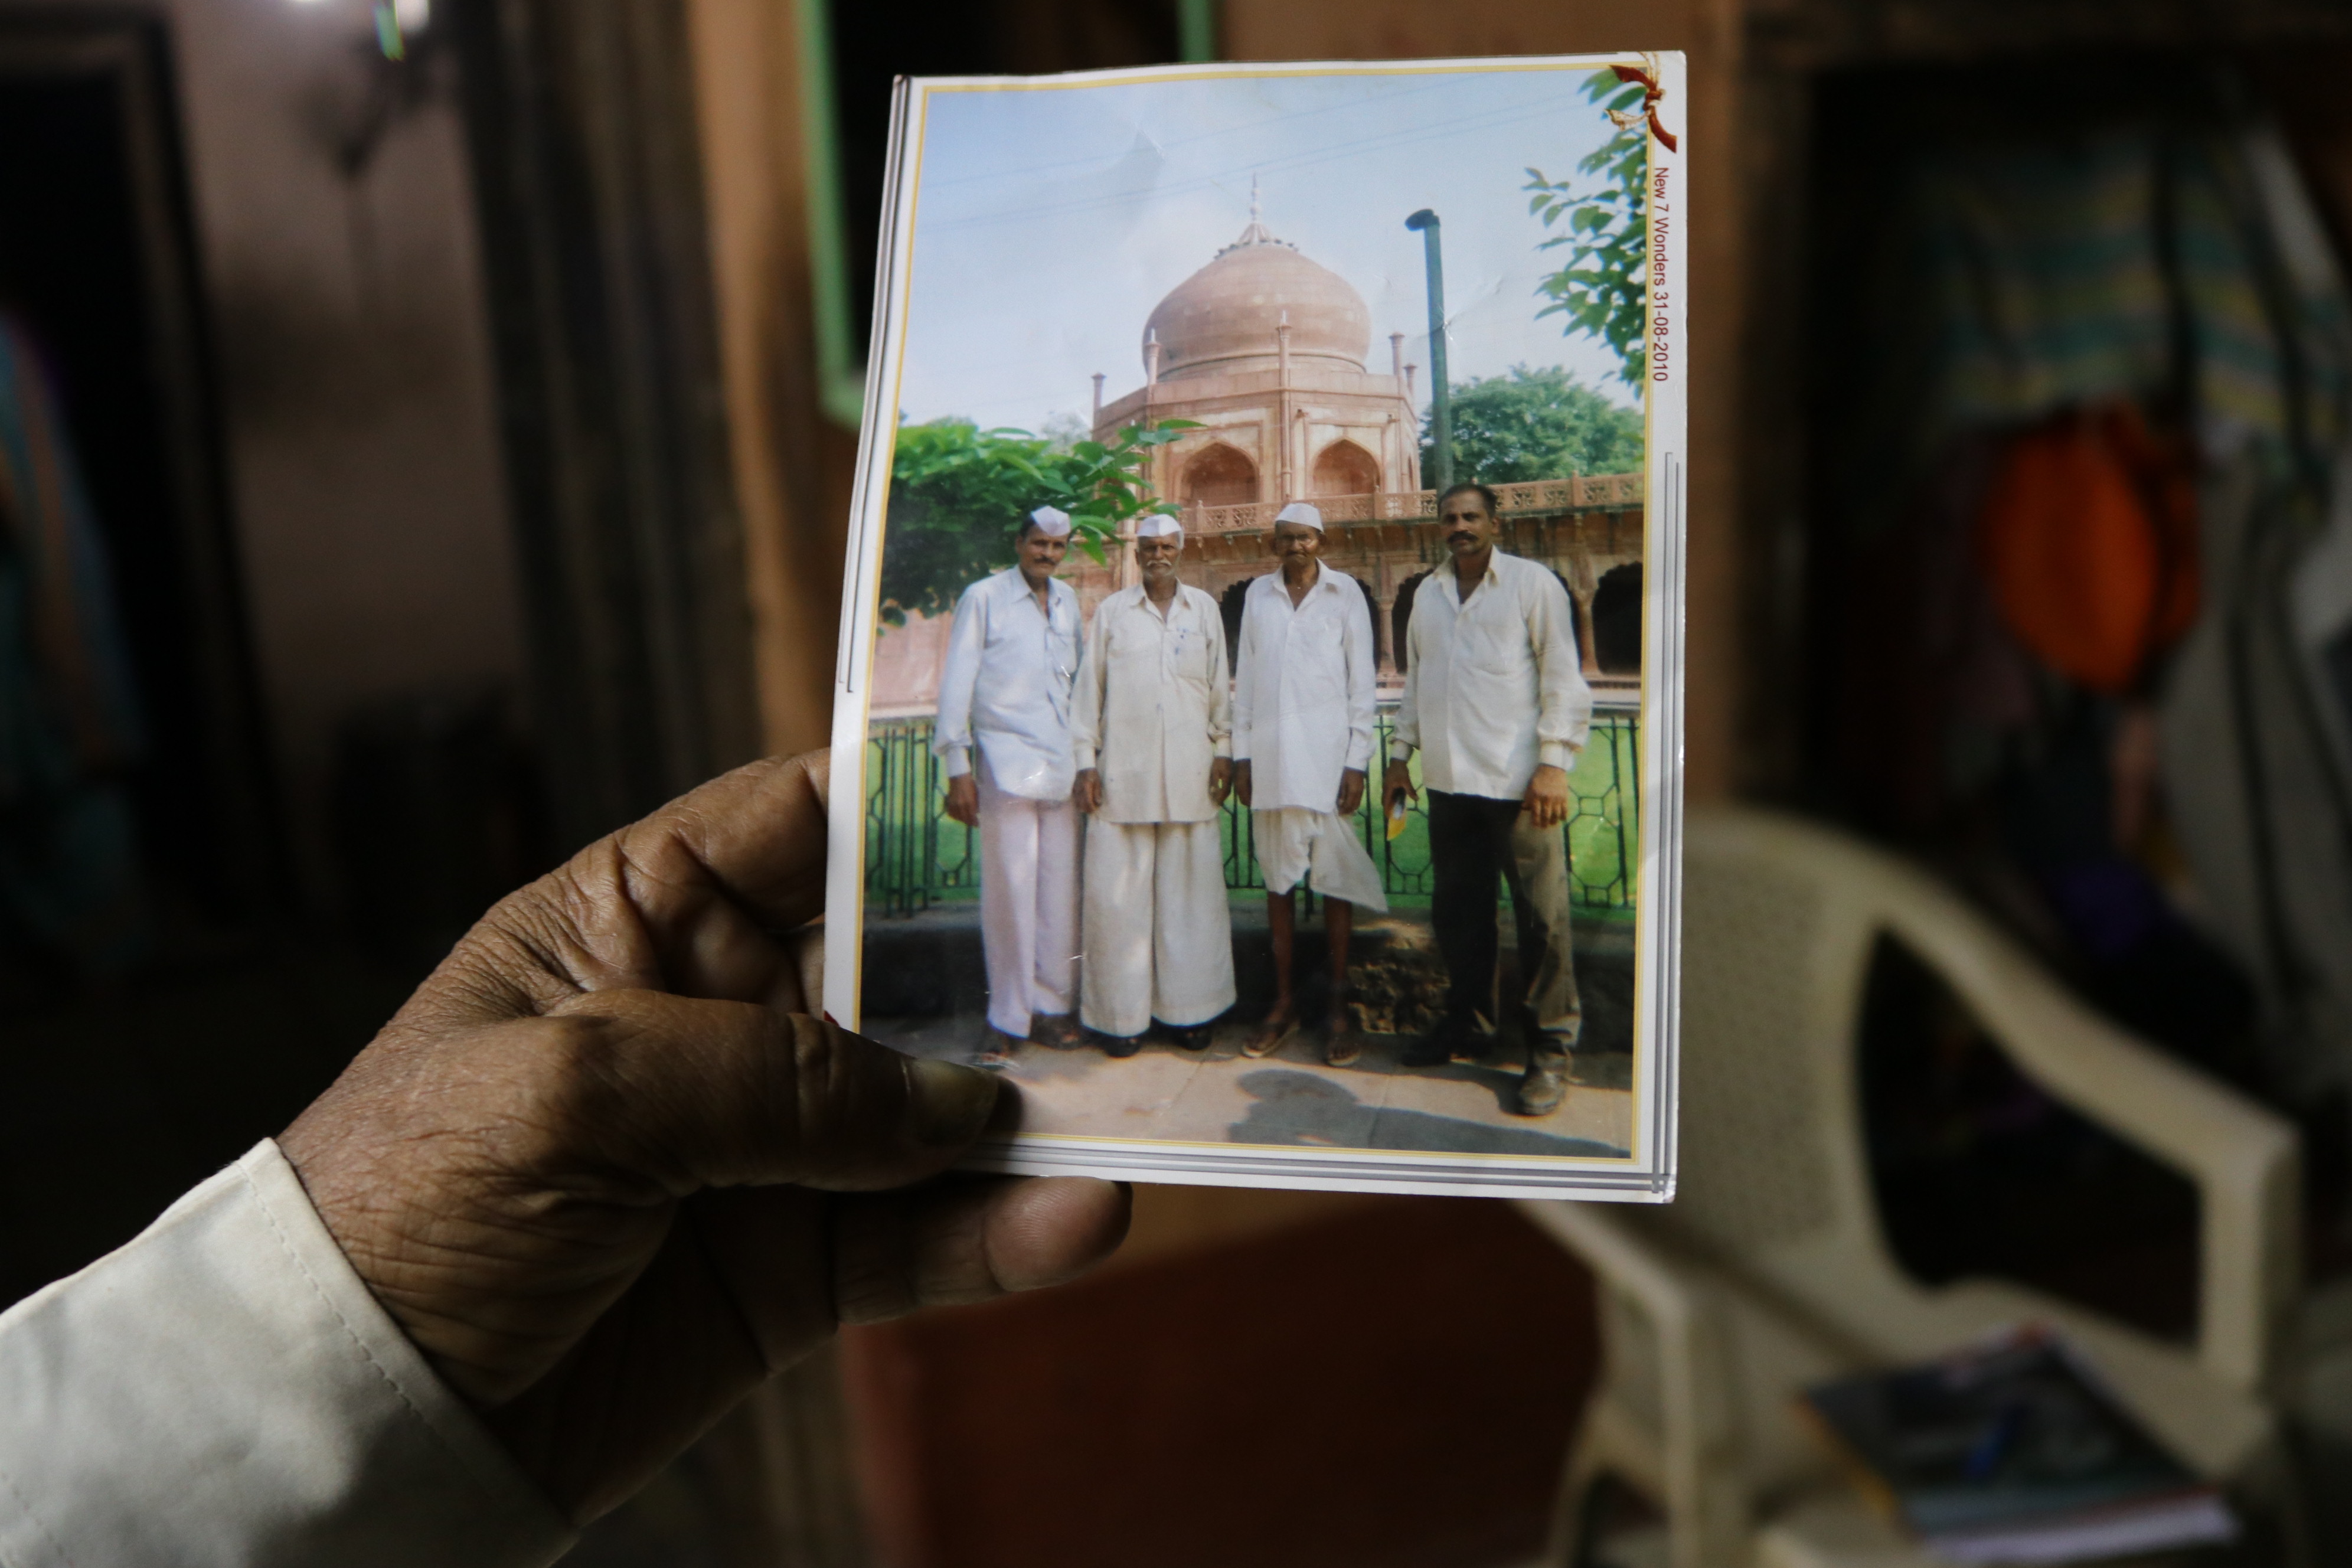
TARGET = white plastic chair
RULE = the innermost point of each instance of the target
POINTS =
(1768, 1271)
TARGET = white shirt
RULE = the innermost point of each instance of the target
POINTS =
(223, 1392)
(1011, 665)
(1153, 709)
(1493, 684)
(1303, 696)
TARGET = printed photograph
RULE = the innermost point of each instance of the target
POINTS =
(1260, 627)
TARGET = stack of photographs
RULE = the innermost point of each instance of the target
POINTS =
(1258, 719)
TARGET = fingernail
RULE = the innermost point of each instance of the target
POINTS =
(952, 1101)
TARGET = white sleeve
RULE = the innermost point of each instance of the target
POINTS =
(1363, 674)
(224, 1391)
(1244, 674)
(1407, 733)
(1087, 708)
(952, 731)
(1563, 699)
(1221, 691)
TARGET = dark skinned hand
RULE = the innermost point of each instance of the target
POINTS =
(608, 1175)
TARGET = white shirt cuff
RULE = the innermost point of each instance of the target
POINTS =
(959, 760)
(223, 1390)
(1559, 755)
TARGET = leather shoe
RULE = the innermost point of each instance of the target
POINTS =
(1454, 1040)
(1542, 1089)
(996, 1048)
(1114, 1044)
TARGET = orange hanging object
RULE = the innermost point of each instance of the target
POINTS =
(2088, 537)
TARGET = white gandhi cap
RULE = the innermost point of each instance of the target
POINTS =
(1157, 525)
(1051, 522)
(1299, 512)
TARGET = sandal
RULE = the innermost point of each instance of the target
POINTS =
(1271, 1035)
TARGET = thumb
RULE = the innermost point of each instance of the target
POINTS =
(695, 1093)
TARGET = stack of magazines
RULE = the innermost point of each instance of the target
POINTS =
(2012, 1451)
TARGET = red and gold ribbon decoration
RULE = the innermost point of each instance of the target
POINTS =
(1651, 92)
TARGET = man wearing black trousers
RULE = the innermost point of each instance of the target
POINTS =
(1496, 702)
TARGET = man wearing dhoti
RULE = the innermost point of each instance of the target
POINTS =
(1013, 660)
(1302, 741)
(1151, 728)
(1495, 698)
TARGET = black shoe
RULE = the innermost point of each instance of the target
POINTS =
(1454, 1040)
(996, 1050)
(1114, 1044)
(1543, 1089)
(1058, 1030)
(1190, 1037)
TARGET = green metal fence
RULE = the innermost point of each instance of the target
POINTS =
(917, 857)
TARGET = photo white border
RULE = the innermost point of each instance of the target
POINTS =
(1647, 1174)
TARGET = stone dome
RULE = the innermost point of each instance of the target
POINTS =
(1223, 317)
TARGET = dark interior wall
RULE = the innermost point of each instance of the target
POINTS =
(341, 279)
(96, 272)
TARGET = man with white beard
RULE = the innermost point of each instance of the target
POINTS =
(1150, 729)
(1013, 657)
(1303, 703)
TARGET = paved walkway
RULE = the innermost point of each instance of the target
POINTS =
(1292, 1099)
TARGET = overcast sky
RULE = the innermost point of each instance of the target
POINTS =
(1049, 222)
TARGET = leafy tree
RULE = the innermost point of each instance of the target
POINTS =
(1603, 287)
(1538, 424)
(959, 494)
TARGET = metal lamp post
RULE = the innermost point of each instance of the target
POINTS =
(1441, 411)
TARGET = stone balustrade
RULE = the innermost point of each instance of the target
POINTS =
(1535, 497)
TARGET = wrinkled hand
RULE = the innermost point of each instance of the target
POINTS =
(1221, 780)
(1242, 781)
(1351, 791)
(964, 799)
(1399, 777)
(608, 1177)
(1546, 802)
(1087, 793)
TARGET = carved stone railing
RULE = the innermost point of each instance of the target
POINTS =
(1578, 492)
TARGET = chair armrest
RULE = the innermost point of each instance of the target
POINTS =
(2244, 1159)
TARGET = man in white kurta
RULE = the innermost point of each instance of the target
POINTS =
(1013, 660)
(1303, 703)
(399, 1335)
(1495, 701)
(1151, 728)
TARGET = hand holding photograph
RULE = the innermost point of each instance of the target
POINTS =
(1260, 744)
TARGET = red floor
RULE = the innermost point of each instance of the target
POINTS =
(1396, 1385)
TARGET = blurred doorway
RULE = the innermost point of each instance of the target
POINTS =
(98, 275)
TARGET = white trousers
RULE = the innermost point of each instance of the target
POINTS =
(1028, 904)
(1160, 936)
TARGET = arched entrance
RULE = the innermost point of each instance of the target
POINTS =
(1344, 468)
(1617, 620)
(1219, 475)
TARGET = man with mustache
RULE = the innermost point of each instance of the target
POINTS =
(1152, 729)
(1495, 701)
(1013, 657)
(1302, 745)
